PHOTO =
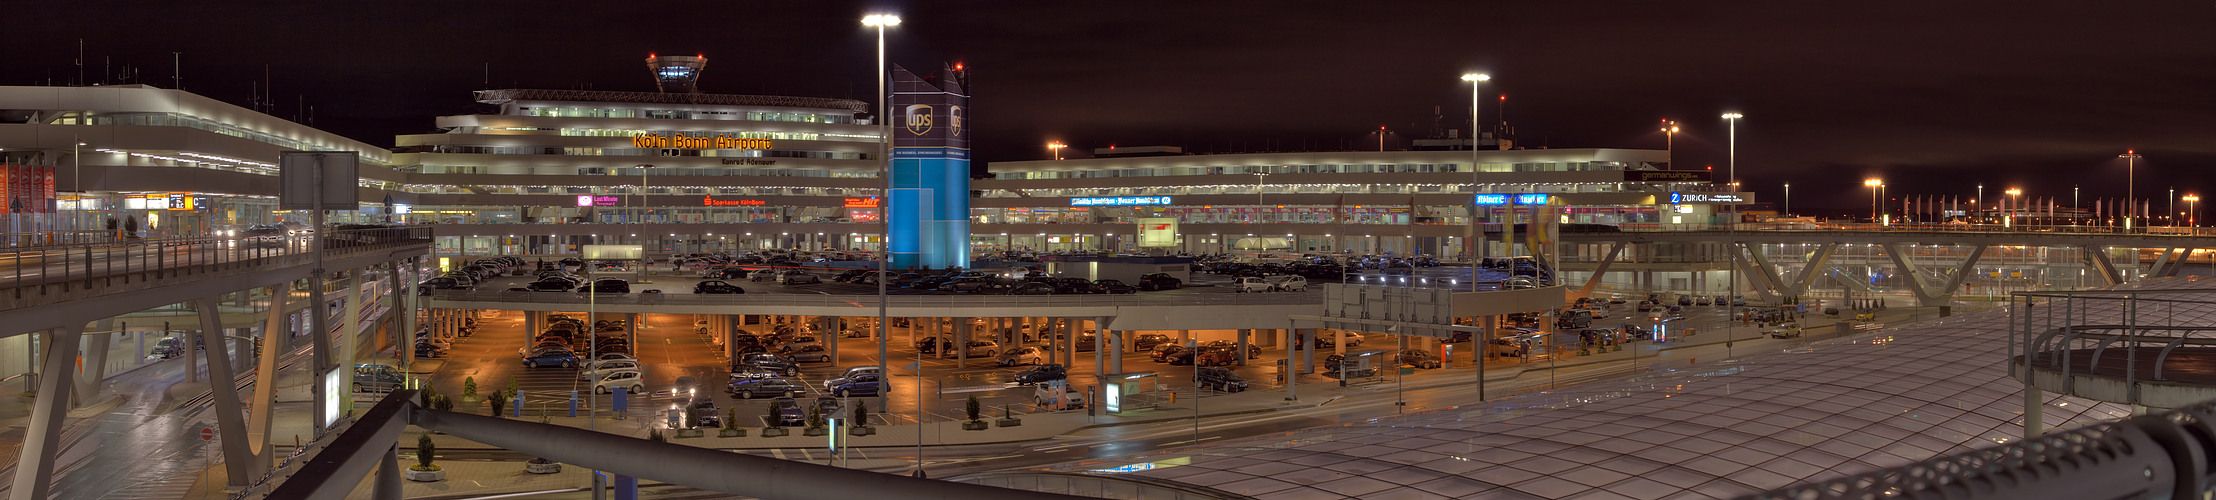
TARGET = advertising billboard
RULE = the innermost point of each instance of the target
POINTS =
(1157, 232)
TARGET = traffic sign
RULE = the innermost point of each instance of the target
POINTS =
(207, 433)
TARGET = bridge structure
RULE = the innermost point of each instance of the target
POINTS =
(1931, 264)
(54, 293)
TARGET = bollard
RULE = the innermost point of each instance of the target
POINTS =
(516, 406)
(573, 403)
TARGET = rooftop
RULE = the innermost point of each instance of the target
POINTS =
(510, 95)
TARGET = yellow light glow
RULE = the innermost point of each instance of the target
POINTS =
(1872, 182)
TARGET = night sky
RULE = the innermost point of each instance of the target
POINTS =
(1936, 97)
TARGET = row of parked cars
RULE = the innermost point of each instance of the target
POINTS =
(468, 275)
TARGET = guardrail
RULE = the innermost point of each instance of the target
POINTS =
(2130, 336)
(1901, 227)
(965, 300)
(46, 270)
(2166, 455)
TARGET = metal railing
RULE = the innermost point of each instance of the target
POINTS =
(1906, 227)
(2081, 333)
(963, 300)
(33, 272)
(2167, 455)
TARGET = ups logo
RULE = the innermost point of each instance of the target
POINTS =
(918, 119)
(954, 120)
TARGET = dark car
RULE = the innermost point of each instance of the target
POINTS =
(443, 283)
(1147, 341)
(1213, 356)
(552, 284)
(967, 284)
(1115, 286)
(1419, 358)
(606, 286)
(902, 281)
(1042, 373)
(1033, 288)
(1159, 281)
(1253, 351)
(717, 286)
(1164, 351)
(728, 273)
(1182, 358)
(849, 275)
(1076, 285)
(425, 350)
(1220, 379)
(765, 362)
(789, 412)
(867, 384)
(703, 413)
(764, 387)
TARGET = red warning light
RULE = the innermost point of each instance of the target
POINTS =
(957, 66)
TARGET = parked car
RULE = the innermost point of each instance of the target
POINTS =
(977, 349)
(703, 413)
(849, 375)
(766, 362)
(797, 278)
(1419, 358)
(1221, 379)
(1251, 284)
(1076, 285)
(1213, 356)
(1033, 288)
(1159, 281)
(867, 384)
(809, 353)
(778, 387)
(1022, 356)
(601, 368)
(1146, 341)
(967, 284)
(1162, 352)
(629, 380)
(717, 286)
(552, 284)
(1115, 286)
(550, 357)
(789, 412)
(606, 285)
(1042, 373)
(1287, 283)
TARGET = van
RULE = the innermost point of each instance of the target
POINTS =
(377, 378)
(1288, 283)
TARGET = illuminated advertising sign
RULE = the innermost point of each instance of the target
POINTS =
(587, 200)
(861, 203)
(710, 201)
(1504, 199)
(1120, 201)
(1677, 198)
(682, 141)
(1666, 175)
(1157, 232)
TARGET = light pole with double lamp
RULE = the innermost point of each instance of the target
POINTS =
(2014, 205)
(1470, 243)
(1731, 225)
(1056, 147)
(884, 225)
(2131, 195)
(1669, 143)
(1873, 183)
(2192, 210)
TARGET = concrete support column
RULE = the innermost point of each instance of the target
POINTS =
(230, 416)
(34, 468)
(95, 350)
(388, 482)
(1305, 340)
(2035, 413)
(1240, 358)
(1115, 360)
(1288, 370)
(831, 333)
(1339, 342)
(961, 341)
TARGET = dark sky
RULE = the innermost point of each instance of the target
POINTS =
(1936, 97)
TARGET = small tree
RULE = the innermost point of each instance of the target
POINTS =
(469, 388)
(731, 418)
(442, 403)
(815, 417)
(655, 435)
(860, 414)
(513, 389)
(974, 409)
(772, 422)
(499, 402)
(424, 451)
(430, 395)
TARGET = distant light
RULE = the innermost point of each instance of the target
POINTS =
(881, 20)
(1476, 77)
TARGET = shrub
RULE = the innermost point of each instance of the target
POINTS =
(974, 409)
(499, 402)
(424, 451)
(860, 414)
(469, 387)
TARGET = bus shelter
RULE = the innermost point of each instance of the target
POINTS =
(1122, 392)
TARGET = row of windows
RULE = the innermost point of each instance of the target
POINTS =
(712, 153)
(1384, 168)
(680, 114)
(178, 120)
(1318, 189)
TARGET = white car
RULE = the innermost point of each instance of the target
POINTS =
(1252, 284)
(601, 369)
(608, 357)
(629, 380)
(1288, 283)
(1023, 356)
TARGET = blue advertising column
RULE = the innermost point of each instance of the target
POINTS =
(928, 208)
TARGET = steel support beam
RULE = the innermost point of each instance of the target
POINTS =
(1769, 289)
(34, 468)
(230, 417)
(2101, 265)
(1598, 270)
(368, 444)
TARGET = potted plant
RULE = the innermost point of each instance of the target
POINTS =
(770, 426)
(655, 435)
(815, 423)
(860, 417)
(1007, 418)
(469, 391)
(424, 470)
(731, 425)
(499, 402)
(430, 396)
(976, 412)
(442, 403)
(542, 466)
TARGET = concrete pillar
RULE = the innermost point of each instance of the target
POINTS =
(833, 333)
(388, 482)
(1100, 356)
(34, 469)
(94, 347)
(1115, 361)
(230, 415)
(192, 355)
(1339, 342)
(1288, 370)
(2035, 413)
(961, 341)
(1240, 358)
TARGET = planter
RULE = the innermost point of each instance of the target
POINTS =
(770, 432)
(1008, 422)
(973, 425)
(550, 467)
(691, 433)
(423, 476)
(862, 431)
(814, 431)
(731, 433)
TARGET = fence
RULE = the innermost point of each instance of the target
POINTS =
(34, 272)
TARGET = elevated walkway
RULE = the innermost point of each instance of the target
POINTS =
(50, 287)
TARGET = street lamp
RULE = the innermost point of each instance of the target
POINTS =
(1056, 147)
(884, 223)
(2013, 205)
(2192, 210)
(1731, 277)
(1470, 244)
(1788, 199)
(2131, 200)
(1669, 143)
(1873, 184)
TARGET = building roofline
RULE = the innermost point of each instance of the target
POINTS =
(504, 96)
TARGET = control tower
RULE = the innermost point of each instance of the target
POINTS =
(676, 74)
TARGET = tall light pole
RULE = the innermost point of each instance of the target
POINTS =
(2170, 213)
(1977, 204)
(2014, 204)
(1731, 276)
(1669, 143)
(1873, 184)
(2192, 210)
(2131, 196)
(1470, 244)
(1788, 199)
(1056, 147)
(1258, 190)
(884, 225)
